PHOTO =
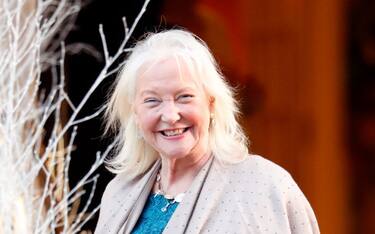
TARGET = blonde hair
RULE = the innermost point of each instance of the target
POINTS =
(133, 155)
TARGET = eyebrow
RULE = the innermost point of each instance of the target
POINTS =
(152, 92)
(145, 92)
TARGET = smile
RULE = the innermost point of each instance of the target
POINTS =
(174, 132)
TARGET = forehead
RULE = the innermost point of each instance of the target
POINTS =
(167, 74)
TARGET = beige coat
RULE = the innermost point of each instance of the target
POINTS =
(254, 196)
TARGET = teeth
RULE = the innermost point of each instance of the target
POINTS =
(173, 132)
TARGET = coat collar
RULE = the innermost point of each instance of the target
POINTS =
(180, 219)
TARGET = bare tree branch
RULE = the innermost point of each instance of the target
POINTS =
(34, 185)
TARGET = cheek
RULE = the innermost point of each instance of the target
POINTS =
(201, 119)
(147, 122)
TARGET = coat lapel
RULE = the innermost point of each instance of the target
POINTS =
(180, 219)
(142, 195)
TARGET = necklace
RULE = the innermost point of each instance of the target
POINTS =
(170, 198)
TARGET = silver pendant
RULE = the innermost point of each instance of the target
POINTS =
(165, 208)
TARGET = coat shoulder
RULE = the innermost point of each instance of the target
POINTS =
(259, 173)
(258, 166)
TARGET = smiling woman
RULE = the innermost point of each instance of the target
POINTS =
(182, 163)
(172, 112)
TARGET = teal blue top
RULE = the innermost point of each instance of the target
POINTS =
(153, 220)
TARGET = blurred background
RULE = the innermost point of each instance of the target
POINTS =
(305, 73)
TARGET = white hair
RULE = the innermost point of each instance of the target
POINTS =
(133, 155)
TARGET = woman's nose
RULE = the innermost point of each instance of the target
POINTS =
(170, 113)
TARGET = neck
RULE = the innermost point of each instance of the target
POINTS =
(178, 174)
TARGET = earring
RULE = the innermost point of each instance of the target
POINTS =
(212, 119)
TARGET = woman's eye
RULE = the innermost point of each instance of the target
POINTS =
(150, 100)
(185, 97)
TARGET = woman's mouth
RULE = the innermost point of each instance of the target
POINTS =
(174, 132)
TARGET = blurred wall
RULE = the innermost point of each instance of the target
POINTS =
(361, 87)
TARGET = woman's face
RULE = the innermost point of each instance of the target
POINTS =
(172, 111)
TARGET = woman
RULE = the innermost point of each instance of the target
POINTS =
(182, 163)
